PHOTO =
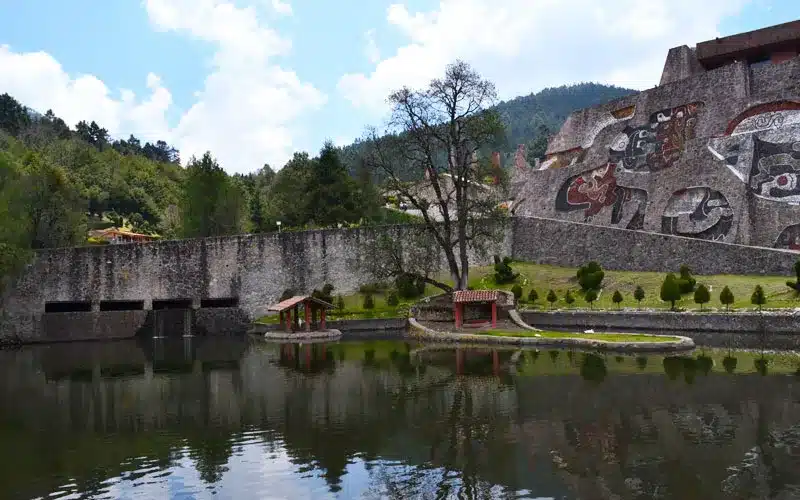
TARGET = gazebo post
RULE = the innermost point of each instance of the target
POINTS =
(288, 316)
(322, 319)
(494, 314)
(495, 362)
(459, 311)
(280, 319)
(297, 317)
(307, 307)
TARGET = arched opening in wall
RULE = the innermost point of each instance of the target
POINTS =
(159, 305)
(121, 305)
(218, 303)
(67, 306)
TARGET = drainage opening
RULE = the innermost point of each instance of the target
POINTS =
(223, 302)
(172, 304)
(122, 305)
(67, 306)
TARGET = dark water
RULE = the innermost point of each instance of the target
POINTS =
(233, 419)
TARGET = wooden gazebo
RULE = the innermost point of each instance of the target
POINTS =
(462, 298)
(289, 311)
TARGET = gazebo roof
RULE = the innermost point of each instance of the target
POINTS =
(289, 303)
(468, 296)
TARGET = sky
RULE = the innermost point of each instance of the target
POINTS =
(254, 81)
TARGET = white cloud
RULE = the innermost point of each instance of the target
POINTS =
(245, 113)
(371, 49)
(282, 8)
(524, 45)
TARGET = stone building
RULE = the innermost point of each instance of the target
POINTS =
(712, 152)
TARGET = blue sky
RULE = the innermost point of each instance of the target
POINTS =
(255, 80)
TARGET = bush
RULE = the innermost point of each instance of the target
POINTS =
(406, 286)
(373, 288)
(729, 363)
(795, 285)
(340, 303)
(590, 276)
(533, 296)
(617, 298)
(568, 298)
(552, 297)
(758, 298)
(503, 274)
(327, 289)
(590, 297)
(670, 291)
(369, 302)
(638, 294)
(702, 296)
(287, 294)
(726, 298)
(517, 291)
(686, 282)
(392, 300)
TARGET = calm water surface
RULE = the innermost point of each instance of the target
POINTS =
(194, 418)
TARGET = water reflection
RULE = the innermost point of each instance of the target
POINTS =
(202, 418)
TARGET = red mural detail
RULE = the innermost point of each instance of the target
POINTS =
(769, 107)
(496, 167)
(673, 135)
(597, 188)
(519, 158)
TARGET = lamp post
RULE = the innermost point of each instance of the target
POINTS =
(279, 226)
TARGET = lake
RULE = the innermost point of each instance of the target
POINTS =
(215, 418)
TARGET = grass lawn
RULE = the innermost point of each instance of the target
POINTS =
(608, 337)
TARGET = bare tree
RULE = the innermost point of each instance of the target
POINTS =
(429, 158)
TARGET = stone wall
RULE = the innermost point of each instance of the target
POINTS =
(711, 155)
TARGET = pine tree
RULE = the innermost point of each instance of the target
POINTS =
(726, 298)
(701, 295)
(638, 294)
(533, 296)
(670, 291)
(568, 298)
(758, 298)
(616, 298)
(590, 297)
(552, 298)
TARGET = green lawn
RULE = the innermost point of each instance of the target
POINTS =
(608, 337)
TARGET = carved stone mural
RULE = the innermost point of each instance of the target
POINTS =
(699, 212)
(761, 147)
(658, 144)
(789, 238)
(563, 158)
(597, 190)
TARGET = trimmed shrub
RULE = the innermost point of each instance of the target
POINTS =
(392, 300)
(568, 298)
(726, 298)
(517, 291)
(533, 296)
(795, 285)
(686, 283)
(729, 363)
(758, 298)
(590, 276)
(503, 274)
(590, 297)
(670, 291)
(552, 297)
(702, 296)
(369, 302)
(340, 303)
(638, 295)
(617, 298)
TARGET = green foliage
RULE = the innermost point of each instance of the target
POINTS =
(795, 285)
(409, 287)
(287, 294)
(517, 291)
(638, 294)
(758, 298)
(326, 294)
(686, 283)
(569, 299)
(702, 296)
(729, 363)
(552, 297)
(726, 297)
(214, 204)
(339, 303)
(590, 276)
(503, 273)
(761, 364)
(533, 296)
(369, 302)
(392, 299)
(373, 288)
(590, 296)
(670, 290)
(616, 298)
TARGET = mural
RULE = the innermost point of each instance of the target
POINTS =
(563, 158)
(699, 212)
(658, 144)
(789, 238)
(761, 147)
(596, 190)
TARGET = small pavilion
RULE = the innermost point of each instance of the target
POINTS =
(289, 311)
(464, 298)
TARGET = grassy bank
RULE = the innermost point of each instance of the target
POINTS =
(608, 337)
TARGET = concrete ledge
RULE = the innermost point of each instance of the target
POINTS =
(786, 323)
(376, 324)
(303, 336)
(682, 344)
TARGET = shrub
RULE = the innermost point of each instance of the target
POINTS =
(373, 288)
(340, 303)
(590, 276)
(616, 298)
(406, 286)
(287, 294)
(686, 283)
(568, 298)
(327, 289)
(421, 287)
(552, 297)
(638, 294)
(503, 274)
(795, 285)
(590, 297)
(702, 296)
(758, 298)
(729, 363)
(670, 292)
(760, 365)
(369, 302)
(533, 296)
(392, 300)
(726, 297)
(517, 291)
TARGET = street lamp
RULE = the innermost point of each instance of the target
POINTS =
(279, 226)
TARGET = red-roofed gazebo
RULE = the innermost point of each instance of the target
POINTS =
(311, 305)
(463, 297)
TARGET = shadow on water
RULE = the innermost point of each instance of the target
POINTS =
(192, 417)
